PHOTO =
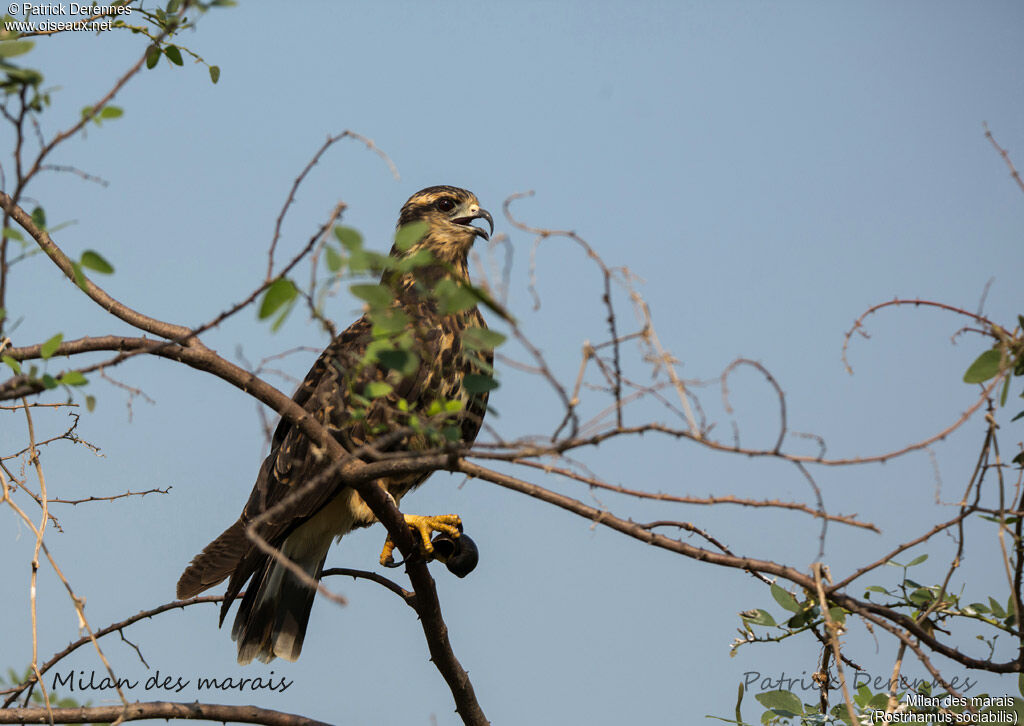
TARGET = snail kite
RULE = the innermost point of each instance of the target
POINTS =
(360, 395)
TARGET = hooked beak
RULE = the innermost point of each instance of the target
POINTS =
(472, 213)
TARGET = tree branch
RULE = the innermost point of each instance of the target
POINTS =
(114, 628)
(96, 293)
(798, 578)
(140, 711)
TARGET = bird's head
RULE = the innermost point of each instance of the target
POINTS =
(449, 213)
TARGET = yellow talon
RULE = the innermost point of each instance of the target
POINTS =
(450, 524)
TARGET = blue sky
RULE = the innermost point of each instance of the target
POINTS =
(768, 170)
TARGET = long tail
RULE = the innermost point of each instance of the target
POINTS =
(272, 619)
(218, 560)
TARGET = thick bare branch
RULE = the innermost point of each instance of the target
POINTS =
(141, 711)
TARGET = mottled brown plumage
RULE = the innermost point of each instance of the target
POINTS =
(271, 620)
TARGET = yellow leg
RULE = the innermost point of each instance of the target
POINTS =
(450, 524)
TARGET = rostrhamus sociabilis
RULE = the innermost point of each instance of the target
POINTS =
(271, 620)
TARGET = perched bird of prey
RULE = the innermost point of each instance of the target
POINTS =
(359, 398)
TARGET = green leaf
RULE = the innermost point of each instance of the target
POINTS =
(997, 609)
(362, 260)
(452, 433)
(758, 617)
(24, 76)
(214, 73)
(482, 338)
(73, 378)
(39, 217)
(784, 703)
(388, 322)
(12, 233)
(282, 316)
(476, 383)
(800, 619)
(50, 347)
(12, 48)
(79, 275)
(376, 389)
(404, 361)
(112, 112)
(917, 560)
(13, 364)
(95, 261)
(409, 234)
(173, 54)
(378, 296)
(359, 261)
(152, 56)
(922, 597)
(453, 297)
(878, 701)
(415, 260)
(90, 403)
(281, 291)
(376, 347)
(984, 367)
(49, 382)
(334, 259)
(350, 238)
(837, 614)
(1006, 392)
(785, 599)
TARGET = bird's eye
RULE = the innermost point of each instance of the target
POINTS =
(445, 204)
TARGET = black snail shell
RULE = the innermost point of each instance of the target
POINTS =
(460, 555)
